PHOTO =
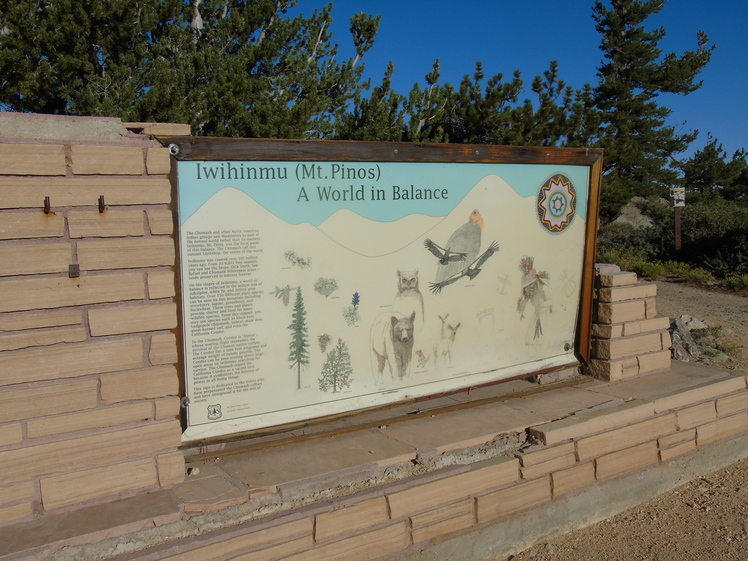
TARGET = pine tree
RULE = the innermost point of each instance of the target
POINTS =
(378, 117)
(57, 57)
(426, 109)
(583, 119)
(558, 116)
(489, 111)
(638, 145)
(738, 189)
(478, 116)
(709, 173)
(298, 355)
(337, 370)
(226, 67)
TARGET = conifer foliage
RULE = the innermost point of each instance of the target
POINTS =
(262, 68)
(226, 67)
(639, 146)
(710, 173)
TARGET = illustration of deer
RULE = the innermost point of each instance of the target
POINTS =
(444, 347)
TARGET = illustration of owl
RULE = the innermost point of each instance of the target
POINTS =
(409, 298)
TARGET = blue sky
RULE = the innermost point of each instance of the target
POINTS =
(507, 35)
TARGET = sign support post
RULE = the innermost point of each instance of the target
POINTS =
(678, 197)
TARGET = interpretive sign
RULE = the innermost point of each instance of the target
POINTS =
(319, 278)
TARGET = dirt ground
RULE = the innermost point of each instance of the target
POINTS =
(704, 520)
(717, 309)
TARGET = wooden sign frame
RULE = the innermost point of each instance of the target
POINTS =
(238, 197)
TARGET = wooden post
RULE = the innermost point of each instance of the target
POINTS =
(678, 198)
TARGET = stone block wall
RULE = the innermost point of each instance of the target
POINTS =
(90, 385)
(88, 348)
(570, 456)
(628, 339)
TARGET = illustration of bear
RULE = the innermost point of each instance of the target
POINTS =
(392, 343)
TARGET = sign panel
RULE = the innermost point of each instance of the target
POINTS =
(678, 196)
(312, 288)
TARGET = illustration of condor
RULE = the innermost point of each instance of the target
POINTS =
(460, 257)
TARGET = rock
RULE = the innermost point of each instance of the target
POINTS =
(684, 346)
(696, 324)
(693, 339)
(689, 323)
(632, 215)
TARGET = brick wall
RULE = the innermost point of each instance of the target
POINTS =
(628, 339)
(88, 382)
(571, 455)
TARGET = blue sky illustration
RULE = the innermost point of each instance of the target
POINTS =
(311, 200)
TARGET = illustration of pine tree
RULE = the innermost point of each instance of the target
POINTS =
(336, 373)
(298, 354)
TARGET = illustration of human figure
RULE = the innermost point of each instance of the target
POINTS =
(533, 291)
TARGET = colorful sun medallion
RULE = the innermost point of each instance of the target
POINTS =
(557, 203)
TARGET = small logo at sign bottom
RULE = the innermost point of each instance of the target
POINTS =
(214, 412)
